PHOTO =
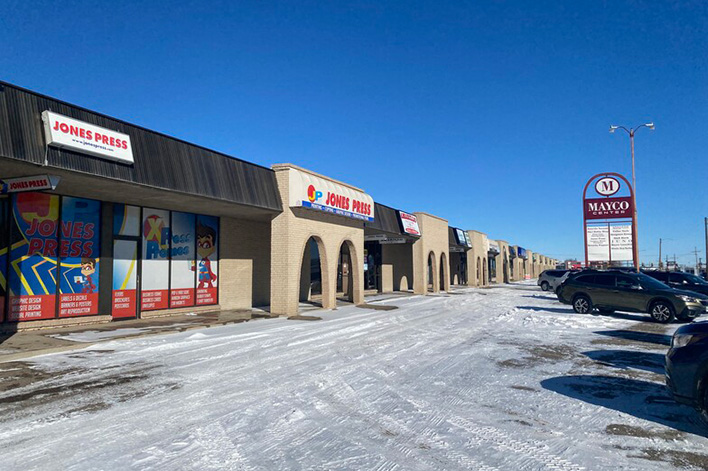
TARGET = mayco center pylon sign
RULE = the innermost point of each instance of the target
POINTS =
(609, 219)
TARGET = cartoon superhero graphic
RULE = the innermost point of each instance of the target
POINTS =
(206, 246)
(88, 268)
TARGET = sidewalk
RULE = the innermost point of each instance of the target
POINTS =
(25, 344)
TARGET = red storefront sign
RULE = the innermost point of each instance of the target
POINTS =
(206, 296)
(608, 208)
(153, 299)
(32, 307)
(182, 297)
(124, 303)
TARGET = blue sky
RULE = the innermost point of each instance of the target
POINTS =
(490, 114)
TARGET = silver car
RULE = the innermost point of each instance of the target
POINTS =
(550, 280)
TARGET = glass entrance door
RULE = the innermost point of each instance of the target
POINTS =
(126, 255)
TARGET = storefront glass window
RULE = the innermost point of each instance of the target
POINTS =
(33, 258)
(155, 275)
(207, 264)
(126, 220)
(183, 260)
(79, 250)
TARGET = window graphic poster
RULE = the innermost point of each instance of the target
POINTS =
(207, 264)
(125, 286)
(154, 283)
(79, 253)
(33, 256)
(183, 264)
(126, 222)
(4, 228)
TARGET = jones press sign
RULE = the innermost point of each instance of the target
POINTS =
(316, 192)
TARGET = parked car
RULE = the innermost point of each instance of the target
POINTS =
(612, 290)
(680, 280)
(687, 366)
(549, 280)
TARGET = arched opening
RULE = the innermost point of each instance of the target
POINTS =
(511, 268)
(444, 278)
(403, 285)
(312, 272)
(506, 268)
(350, 270)
(345, 274)
(430, 280)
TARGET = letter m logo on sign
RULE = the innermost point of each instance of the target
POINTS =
(607, 186)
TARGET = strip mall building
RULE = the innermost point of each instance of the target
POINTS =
(101, 220)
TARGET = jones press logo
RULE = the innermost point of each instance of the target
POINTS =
(312, 194)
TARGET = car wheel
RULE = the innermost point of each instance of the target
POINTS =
(661, 311)
(582, 304)
(545, 286)
(606, 311)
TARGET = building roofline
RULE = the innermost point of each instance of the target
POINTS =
(103, 115)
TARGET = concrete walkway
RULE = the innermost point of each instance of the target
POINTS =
(29, 343)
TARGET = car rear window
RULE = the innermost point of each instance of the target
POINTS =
(676, 278)
(586, 278)
(659, 275)
(605, 280)
(626, 281)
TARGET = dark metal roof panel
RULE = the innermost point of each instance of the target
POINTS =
(161, 161)
(385, 219)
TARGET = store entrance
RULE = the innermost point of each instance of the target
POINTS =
(126, 267)
(372, 266)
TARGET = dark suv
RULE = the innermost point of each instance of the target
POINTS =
(687, 366)
(680, 280)
(610, 291)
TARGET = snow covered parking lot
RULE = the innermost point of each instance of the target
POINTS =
(496, 379)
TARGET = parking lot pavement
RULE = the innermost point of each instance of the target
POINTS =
(495, 379)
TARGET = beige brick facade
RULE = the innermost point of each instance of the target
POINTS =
(477, 258)
(244, 263)
(291, 230)
(397, 267)
(432, 248)
(503, 272)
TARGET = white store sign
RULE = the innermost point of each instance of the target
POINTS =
(598, 243)
(601, 239)
(68, 133)
(621, 242)
(310, 191)
(410, 223)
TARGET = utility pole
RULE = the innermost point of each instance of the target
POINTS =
(635, 232)
(659, 253)
(705, 221)
(695, 252)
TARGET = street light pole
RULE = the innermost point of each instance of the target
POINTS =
(635, 233)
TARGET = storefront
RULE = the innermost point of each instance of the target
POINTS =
(320, 231)
(101, 219)
(388, 250)
(460, 244)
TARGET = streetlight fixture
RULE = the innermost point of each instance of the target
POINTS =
(631, 132)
